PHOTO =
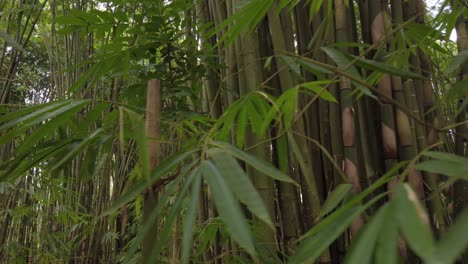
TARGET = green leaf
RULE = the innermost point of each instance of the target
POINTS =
(10, 40)
(70, 20)
(328, 229)
(241, 127)
(228, 208)
(335, 198)
(92, 116)
(29, 109)
(445, 167)
(315, 7)
(68, 30)
(228, 118)
(241, 185)
(414, 222)
(89, 17)
(386, 251)
(287, 103)
(426, 36)
(70, 106)
(267, 64)
(75, 149)
(258, 164)
(258, 110)
(457, 61)
(41, 115)
(363, 245)
(308, 65)
(346, 65)
(446, 163)
(106, 144)
(458, 90)
(163, 169)
(385, 68)
(319, 90)
(168, 193)
(139, 131)
(453, 243)
(446, 156)
(190, 217)
(282, 153)
(38, 111)
(47, 150)
(291, 62)
(171, 216)
(301, 159)
(311, 248)
(91, 75)
(47, 129)
(247, 18)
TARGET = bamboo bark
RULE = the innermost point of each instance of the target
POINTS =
(153, 132)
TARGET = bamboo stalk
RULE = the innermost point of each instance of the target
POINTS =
(153, 131)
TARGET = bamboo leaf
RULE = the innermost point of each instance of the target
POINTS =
(38, 111)
(11, 115)
(189, 221)
(458, 90)
(139, 131)
(163, 169)
(94, 71)
(457, 61)
(70, 20)
(414, 222)
(335, 198)
(241, 127)
(47, 129)
(336, 223)
(312, 247)
(282, 153)
(315, 7)
(307, 64)
(241, 185)
(228, 118)
(170, 217)
(10, 40)
(363, 246)
(287, 103)
(43, 114)
(105, 142)
(453, 243)
(301, 160)
(73, 151)
(322, 92)
(346, 65)
(445, 167)
(47, 150)
(89, 17)
(446, 156)
(258, 110)
(247, 18)
(387, 243)
(92, 116)
(267, 64)
(63, 109)
(158, 210)
(258, 164)
(291, 62)
(385, 68)
(228, 208)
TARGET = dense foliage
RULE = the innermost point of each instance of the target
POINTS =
(233, 131)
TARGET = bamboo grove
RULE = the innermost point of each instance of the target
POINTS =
(233, 131)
